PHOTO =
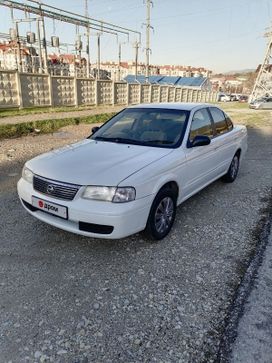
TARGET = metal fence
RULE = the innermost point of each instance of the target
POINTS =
(38, 90)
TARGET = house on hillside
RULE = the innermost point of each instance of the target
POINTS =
(9, 57)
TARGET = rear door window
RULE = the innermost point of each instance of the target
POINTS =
(220, 121)
(229, 122)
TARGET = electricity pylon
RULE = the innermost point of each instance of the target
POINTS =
(263, 83)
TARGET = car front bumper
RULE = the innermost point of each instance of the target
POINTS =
(125, 218)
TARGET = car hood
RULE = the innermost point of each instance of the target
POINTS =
(92, 162)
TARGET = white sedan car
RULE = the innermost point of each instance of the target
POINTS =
(132, 172)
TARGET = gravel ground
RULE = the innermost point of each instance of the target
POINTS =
(67, 298)
(59, 115)
(253, 342)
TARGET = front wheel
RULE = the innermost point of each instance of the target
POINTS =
(232, 173)
(162, 215)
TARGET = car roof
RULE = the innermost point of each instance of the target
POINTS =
(174, 105)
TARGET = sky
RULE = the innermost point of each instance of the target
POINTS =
(219, 35)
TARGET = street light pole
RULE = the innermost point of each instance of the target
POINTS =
(119, 63)
(98, 56)
(148, 50)
(39, 43)
(87, 40)
(18, 47)
(136, 46)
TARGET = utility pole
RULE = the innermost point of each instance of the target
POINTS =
(87, 40)
(39, 44)
(147, 49)
(14, 39)
(98, 56)
(18, 48)
(263, 83)
(119, 61)
(43, 38)
(136, 46)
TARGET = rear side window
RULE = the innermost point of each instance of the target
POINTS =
(220, 121)
(201, 124)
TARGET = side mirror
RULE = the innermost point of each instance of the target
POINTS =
(200, 140)
(95, 129)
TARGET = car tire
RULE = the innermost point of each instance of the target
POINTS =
(162, 214)
(232, 172)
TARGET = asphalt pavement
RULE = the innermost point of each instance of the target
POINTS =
(67, 298)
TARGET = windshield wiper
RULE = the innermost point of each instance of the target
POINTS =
(163, 142)
(120, 140)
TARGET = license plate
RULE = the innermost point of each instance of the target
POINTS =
(49, 207)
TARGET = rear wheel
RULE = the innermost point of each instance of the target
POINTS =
(232, 173)
(162, 214)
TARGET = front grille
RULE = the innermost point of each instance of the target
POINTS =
(54, 188)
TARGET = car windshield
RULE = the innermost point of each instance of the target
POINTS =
(145, 126)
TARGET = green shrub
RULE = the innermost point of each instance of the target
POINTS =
(48, 126)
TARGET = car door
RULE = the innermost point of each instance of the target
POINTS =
(269, 104)
(201, 159)
(266, 104)
(224, 142)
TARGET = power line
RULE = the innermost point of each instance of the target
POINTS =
(52, 12)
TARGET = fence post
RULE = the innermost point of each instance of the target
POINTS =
(96, 92)
(174, 96)
(167, 94)
(75, 92)
(19, 90)
(186, 95)
(127, 93)
(114, 91)
(140, 93)
(51, 94)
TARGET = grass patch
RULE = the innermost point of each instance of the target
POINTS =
(240, 113)
(48, 126)
(39, 110)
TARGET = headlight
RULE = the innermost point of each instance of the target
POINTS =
(110, 194)
(99, 193)
(27, 175)
(124, 194)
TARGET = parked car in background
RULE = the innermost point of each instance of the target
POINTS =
(225, 98)
(132, 172)
(264, 103)
(243, 98)
(234, 97)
